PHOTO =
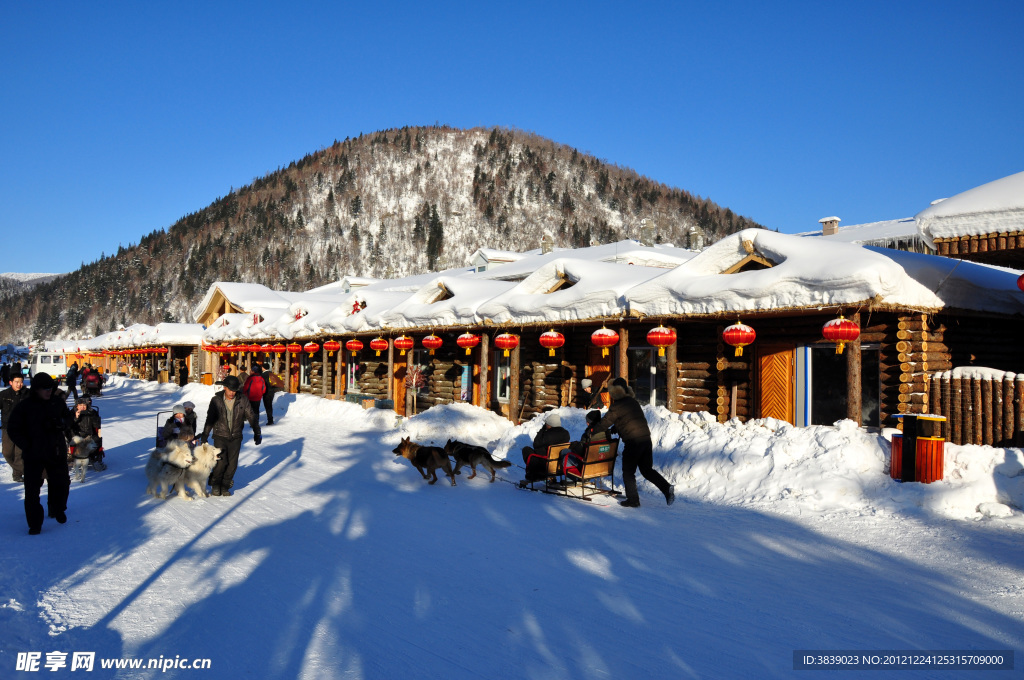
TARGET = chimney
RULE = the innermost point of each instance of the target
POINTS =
(547, 244)
(646, 233)
(829, 225)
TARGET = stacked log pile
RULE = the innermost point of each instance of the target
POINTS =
(697, 374)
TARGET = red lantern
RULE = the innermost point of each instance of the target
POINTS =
(255, 349)
(661, 337)
(294, 348)
(354, 346)
(404, 342)
(506, 341)
(332, 346)
(310, 347)
(432, 342)
(468, 341)
(552, 340)
(739, 335)
(1020, 281)
(604, 338)
(840, 331)
(278, 349)
(378, 344)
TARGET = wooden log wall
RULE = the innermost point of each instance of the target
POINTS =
(702, 382)
(982, 406)
(373, 381)
(912, 348)
(443, 373)
(994, 248)
(981, 342)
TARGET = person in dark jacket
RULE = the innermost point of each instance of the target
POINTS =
(588, 397)
(550, 434)
(191, 419)
(177, 427)
(5, 373)
(225, 418)
(627, 416)
(71, 380)
(9, 398)
(40, 426)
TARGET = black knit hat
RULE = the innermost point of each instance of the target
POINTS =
(43, 381)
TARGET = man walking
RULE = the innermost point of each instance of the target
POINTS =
(10, 398)
(225, 418)
(627, 416)
(39, 427)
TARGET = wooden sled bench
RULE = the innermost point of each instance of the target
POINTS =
(598, 462)
(555, 454)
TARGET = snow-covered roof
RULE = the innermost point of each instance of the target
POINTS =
(993, 208)
(793, 273)
(871, 233)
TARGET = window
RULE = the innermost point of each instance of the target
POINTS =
(305, 368)
(821, 380)
(647, 375)
(502, 376)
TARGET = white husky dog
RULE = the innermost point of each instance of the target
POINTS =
(83, 448)
(167, 467)
(204, 458)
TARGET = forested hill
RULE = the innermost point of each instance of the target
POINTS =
(384, 205)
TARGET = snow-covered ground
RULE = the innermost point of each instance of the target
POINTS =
(335, 560)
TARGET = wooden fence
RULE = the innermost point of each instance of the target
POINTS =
(981, 405)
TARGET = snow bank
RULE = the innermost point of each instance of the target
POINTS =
(763, 463)
(822, 469)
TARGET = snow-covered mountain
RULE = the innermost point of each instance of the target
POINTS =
(385, 204)
(14, 283)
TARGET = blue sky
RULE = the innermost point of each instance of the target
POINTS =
(119, 118)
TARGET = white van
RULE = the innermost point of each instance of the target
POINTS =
(48, 362)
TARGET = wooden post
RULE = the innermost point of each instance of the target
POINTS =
(288, 371)
(323, 371)
(485, 353)
(277, 361)
(854, 405)
(997, 412)
(976, 411)
(956, 431)
(986, 411)
(339, 367)
(513, 387)
(391, 369)
(624, 353)
(671, 376)
(1018, 404)
(1007, 410)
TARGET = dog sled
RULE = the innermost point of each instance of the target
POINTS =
(575, 476)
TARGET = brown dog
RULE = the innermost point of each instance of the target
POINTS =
(425, 459)
(471, 456)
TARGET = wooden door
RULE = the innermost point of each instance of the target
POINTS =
(776, 381)
(599, 370)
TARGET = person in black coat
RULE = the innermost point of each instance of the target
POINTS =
(550, 434)
(5, 373)
(9, 398)
(71, 380)
(225, 419)
(40, 426)
(627, 416)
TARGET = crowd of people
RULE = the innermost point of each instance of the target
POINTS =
(38, 428)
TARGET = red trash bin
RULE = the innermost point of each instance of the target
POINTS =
(918, 454)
